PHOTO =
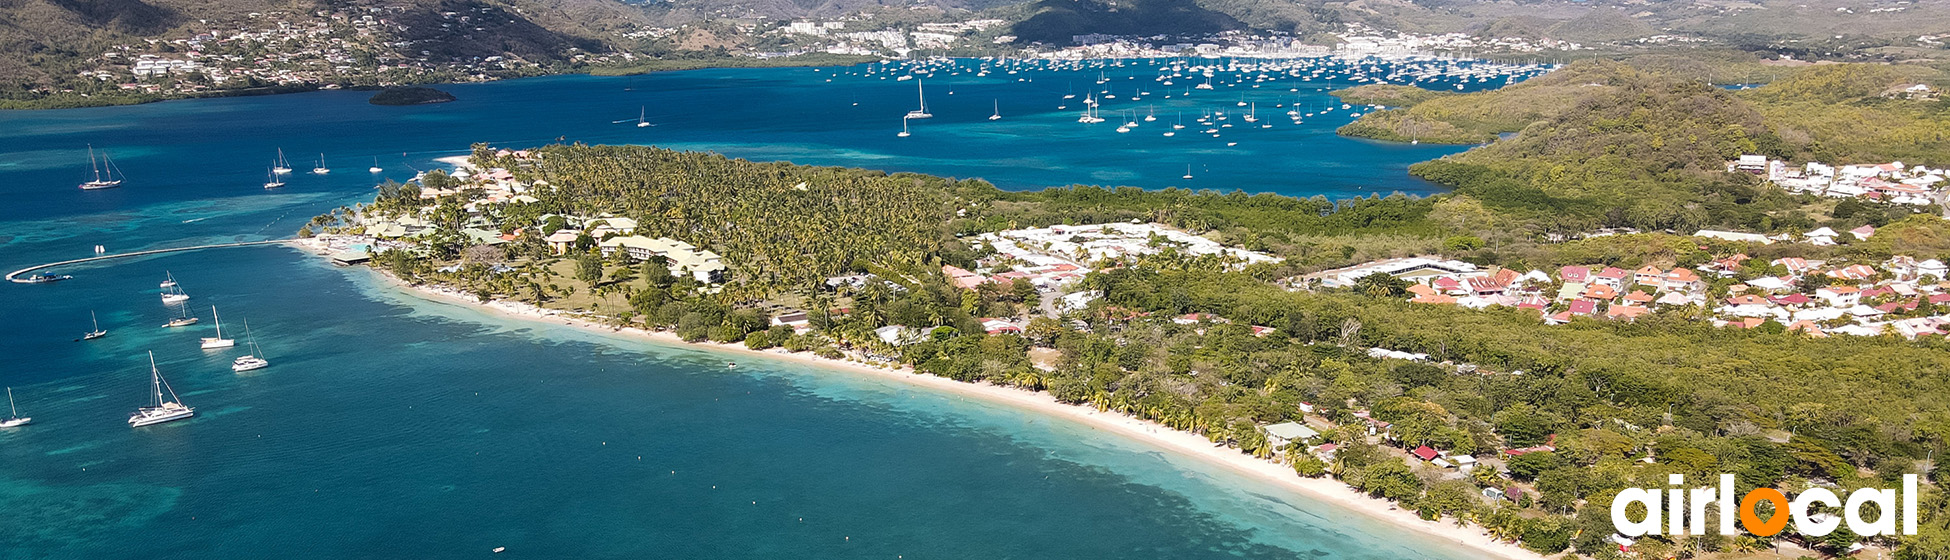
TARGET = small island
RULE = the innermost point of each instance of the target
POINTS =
(410, 96)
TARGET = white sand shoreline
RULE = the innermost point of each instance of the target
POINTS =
(1190, 445)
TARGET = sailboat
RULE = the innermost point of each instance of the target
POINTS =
(168, 280)
(1188, 171)
(903, 133)
(321, 169)
(640, 114)
(173, 293)
(101, 181)
(159, 410)
(254, 360)
(921, 113)
(375, 166)
(182, 320)
(998, 111)
(210, 342)
(280, 166)
(271, 181)
(98, 332)
(13, 421)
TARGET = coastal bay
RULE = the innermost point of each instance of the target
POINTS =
(372, 406)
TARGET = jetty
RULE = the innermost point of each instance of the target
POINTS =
(15, 275)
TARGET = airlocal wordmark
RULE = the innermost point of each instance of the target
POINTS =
(1685, 510)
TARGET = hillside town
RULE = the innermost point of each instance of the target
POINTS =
(1900, 296)
(1890, 182)
(368, 46)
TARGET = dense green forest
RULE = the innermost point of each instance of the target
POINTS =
(1643, 143)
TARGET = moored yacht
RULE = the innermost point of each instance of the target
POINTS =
(101, 181)
(182, 320)
(173, 293)
(921, 113)
(254, 360)
(159, 410)
(321, 169)
(210, 342)
(98, 332)
(13, 420)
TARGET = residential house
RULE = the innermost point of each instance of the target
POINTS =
(1612, 276)
(1840, 296)
(562, 240)
(1281, 434)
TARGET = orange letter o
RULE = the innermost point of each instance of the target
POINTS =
(1752, 521)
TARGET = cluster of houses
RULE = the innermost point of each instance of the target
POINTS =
(609, 234)
(1886, 182)
(1848, 298)
(1056, 256)
(282, 47)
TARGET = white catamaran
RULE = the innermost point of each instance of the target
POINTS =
(254, 360)
(921, 113)
(212, 342)
(101, 181)
(15, 420)
(159, 410)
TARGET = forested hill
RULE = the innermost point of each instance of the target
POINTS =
(1644, 143)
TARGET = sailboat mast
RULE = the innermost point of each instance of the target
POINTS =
(155, 380)
(92, 164)
(14, 412)
(218, 320)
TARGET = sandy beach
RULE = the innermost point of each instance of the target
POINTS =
(1187, 444)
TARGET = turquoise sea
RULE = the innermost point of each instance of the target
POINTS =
(391, 427)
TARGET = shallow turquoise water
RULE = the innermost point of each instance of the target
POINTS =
(394, 427)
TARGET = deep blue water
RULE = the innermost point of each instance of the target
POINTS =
(394, 427)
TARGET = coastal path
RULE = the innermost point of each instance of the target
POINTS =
(15, 275)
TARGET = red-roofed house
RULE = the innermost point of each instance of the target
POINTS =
(1438, 299)
(1863, 232)
(962, 278)
(1583, 307)
(1612, 276)
(1649, 275)
(1449, 286)
(1794, 265)
(1682, 280)
(1626, 312)
(1574, 274)
(1487, 286)
(1599, 292)
(1792, 300)
(1425, 453)
(1853, 272)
